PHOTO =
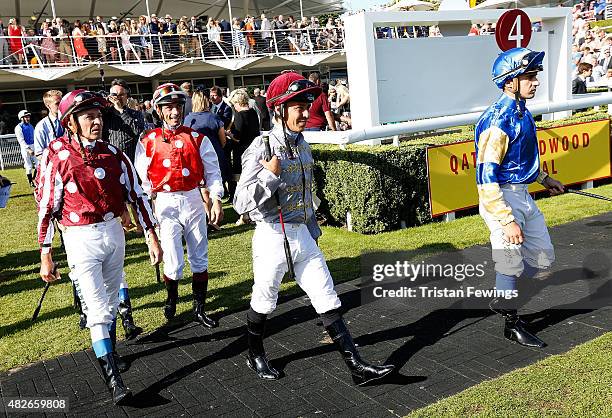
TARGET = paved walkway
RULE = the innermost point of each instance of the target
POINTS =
(439, 351)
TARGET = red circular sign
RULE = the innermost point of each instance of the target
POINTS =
(513, 30)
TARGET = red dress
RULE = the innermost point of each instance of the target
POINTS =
(15, 43)
(79, 45)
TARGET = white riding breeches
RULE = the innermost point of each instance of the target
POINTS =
(95, 256)
(181, 214)
(536, 250)
(270, 265)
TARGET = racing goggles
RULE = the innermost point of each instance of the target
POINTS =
(527, 65)
(296, 87)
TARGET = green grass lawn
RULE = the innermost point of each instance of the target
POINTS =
(575, 384)
(56, 331)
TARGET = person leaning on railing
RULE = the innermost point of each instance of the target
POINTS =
(112, 39)
(144, 29)
(183, 33)
(49, 48)
(15, 32)
(194, 43)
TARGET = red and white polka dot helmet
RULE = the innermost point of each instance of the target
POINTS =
(78, 101)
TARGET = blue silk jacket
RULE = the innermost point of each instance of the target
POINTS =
(507, 153)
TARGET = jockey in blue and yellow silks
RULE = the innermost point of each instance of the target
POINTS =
(507, 162)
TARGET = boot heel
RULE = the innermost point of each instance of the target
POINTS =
(361, 371)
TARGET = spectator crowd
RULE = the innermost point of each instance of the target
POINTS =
(58, 41)
(591, 48)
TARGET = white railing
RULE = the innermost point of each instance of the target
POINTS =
(41, 52)
(432, 124)
(10, 152)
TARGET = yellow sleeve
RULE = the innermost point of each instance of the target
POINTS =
(492, 148)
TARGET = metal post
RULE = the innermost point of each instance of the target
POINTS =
(161, 48)
(53, 9)
(587, 185)
(231, 20)
(301, 10)
(148, 10)
(448, 217)
(231, 17)
(201, 46)
(275, 43)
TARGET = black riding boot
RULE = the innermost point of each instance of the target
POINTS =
(171, 299)
(514, 327)
(122, 365)
(112, 377)
(199, 286)
(361, 371)
(30, 181)
(257, 360)
(127, 320)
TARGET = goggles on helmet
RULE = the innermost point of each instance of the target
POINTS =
(295, 87)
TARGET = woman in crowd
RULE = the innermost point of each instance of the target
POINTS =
(101, 39)
(238, 41)
(209, 124)
(249, 28)
(90, 41)
(183, 33)
(145, 39)
(126, 43)
(49, 48)
(134, 32)
(244, 128)
(213, 33)
(77, 41)
(113, 32)
(15, 31)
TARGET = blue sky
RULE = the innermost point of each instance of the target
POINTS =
(363, 4)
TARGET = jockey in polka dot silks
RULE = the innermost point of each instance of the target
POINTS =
(507, 162)
(172, 162)
(85, 184)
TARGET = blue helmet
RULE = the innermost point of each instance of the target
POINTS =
(514, 62)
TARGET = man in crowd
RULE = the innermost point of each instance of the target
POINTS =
(579, 83)
(194, 30)
(219, 107)
(263, 112)
(122, 127)
(172, 161)
(507, 162)
(344, 98)
(287, 178)
(48, 128)
(319, 114)
(186, 87)
(85, 184)
(24, 132)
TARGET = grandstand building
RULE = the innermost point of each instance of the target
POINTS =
(230, 59)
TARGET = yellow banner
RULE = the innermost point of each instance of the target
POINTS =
(571, 154)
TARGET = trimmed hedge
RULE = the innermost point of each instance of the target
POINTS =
(602, 24)
(385, 186)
